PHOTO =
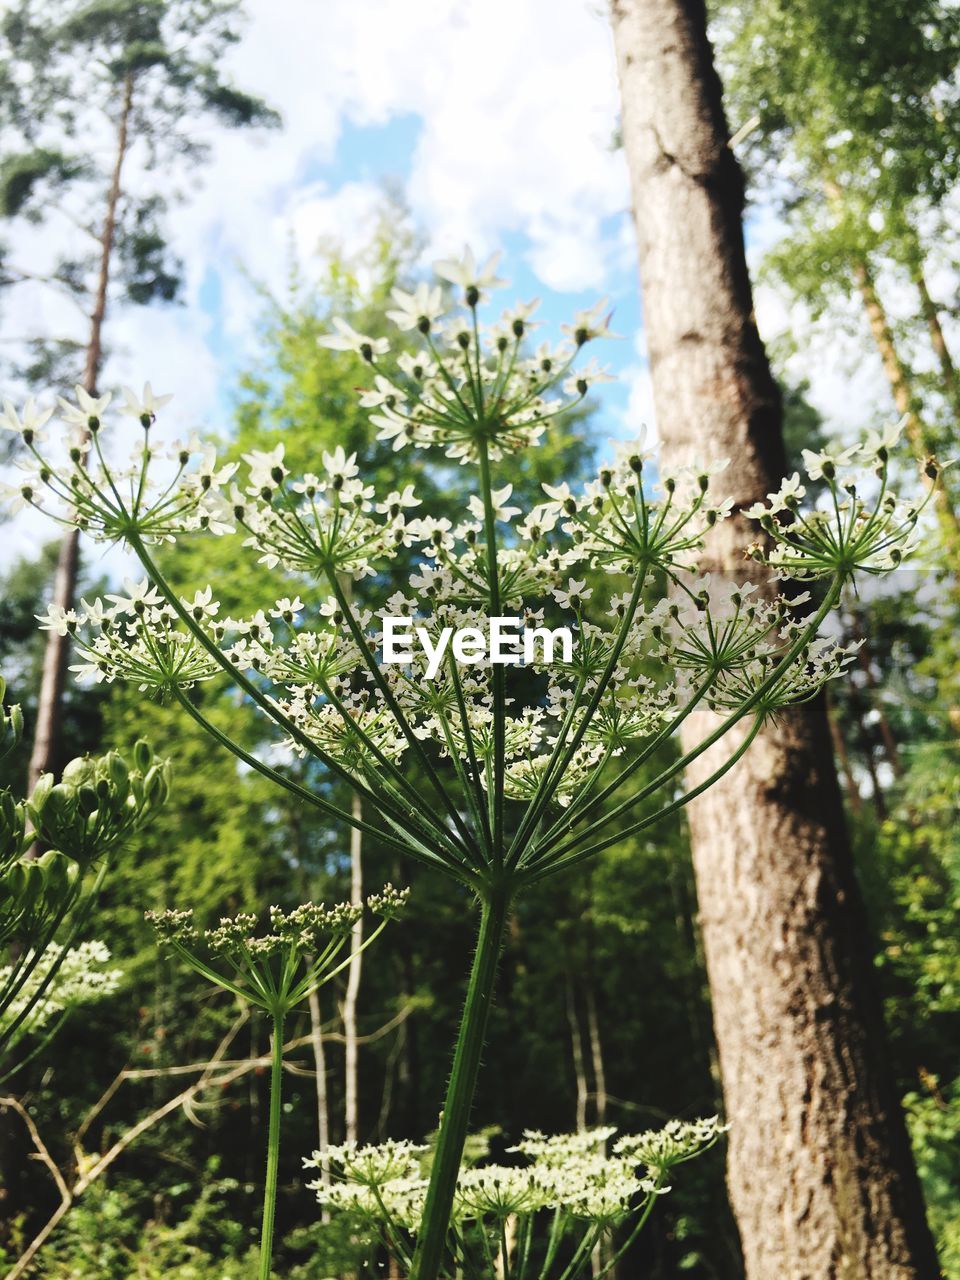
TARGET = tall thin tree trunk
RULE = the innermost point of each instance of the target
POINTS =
(931, 313)
(53, 677)
(898, 379)
(854, 798)
(323, 1101)
(576, 1050)
(596, 1055)
(821, 1177)
(351, 1081)
(864, 662)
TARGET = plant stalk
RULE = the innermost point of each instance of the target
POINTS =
(463, 1079)
(273, 1149)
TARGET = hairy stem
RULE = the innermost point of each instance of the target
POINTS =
(463, 1079)
(273, 1149)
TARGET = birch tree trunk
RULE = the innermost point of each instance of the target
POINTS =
(576, 1051)
(53, 676)
(350, 1067)
(323, 1102)
(820, 1173)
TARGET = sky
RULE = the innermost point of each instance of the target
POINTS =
(498, 121)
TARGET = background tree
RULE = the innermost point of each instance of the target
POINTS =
(857, 141)
(795, 1009)
(138, 77)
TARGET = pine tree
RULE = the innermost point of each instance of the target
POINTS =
(140, 78)
(821, 1178)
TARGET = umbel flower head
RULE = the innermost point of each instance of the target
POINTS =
(563, 1195)
(277, 968)
(63, 978)
(492, 775)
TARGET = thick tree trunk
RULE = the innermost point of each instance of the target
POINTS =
(351, 1065)
(820, 1173)
(53, 677)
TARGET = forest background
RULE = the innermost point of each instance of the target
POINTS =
(239, 234)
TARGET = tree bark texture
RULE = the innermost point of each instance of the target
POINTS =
(819, 1168)
(43, 755)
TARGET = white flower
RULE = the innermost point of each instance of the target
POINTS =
(138, 593)
(590, 324)
(87, 407)
(397, 501)
(29, 422)
(574, 595)
(347, 339)
(786, 498)
(17, 496)
(826, 462)
(500, 498)
(419, 309)
(286, 608)
(266, 469)
(60, 621)
(558, 492)
(93, 614)
(338, 466)
(877, 443)
(202, 605)
(464, 271)
(578, 383)
(145, 405)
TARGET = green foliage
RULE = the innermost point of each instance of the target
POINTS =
(69, 70)
(21, 174)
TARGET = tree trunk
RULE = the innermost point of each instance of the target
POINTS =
(53, 676)
(350, 1068)
(576, 1050)
(596, 1054)
(842, 756)
(931, 313)
(323, 1102)
(899, 381)
(819, 1167)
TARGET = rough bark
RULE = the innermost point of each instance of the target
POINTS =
(350, 1067)
(819, 1168)
(53, 677)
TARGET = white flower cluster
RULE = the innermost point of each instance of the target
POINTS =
(512, 783)
(81, 978)
(587, 1190)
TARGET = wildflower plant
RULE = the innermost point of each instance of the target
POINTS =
(81, 978)
(541, 1217)
(80, 823)
(276, 971)
(495, 778)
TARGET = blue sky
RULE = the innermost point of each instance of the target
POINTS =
(497, 119)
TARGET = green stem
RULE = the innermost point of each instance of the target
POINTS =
(463, 1079)
(273, 1148)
